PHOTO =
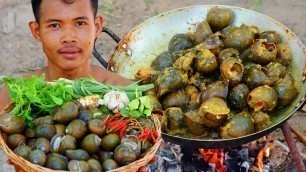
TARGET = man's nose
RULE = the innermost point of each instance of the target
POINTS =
(69, 34)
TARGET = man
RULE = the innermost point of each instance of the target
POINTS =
(67, 30)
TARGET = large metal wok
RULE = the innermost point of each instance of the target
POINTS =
(140, 46)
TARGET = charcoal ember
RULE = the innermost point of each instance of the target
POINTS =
(176, 158)
(177, 151)
(168, 158)
(233, 160)
(245, 166)
(244, 154)
(193, 161)
(154, 166)
(253, 149)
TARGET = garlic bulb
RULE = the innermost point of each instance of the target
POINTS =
(115, 100)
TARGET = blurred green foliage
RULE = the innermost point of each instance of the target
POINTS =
(149, 1)
(106, 8)
(256, 5)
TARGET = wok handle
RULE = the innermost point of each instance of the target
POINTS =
(293, 149)
(95, 52)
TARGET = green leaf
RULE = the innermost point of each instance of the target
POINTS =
(56, 100)
(147, 112)
(97, 114)
(146, 101)
(135, 113)
(104, 109)
(32, 97)
(134, 104)
(30, 124)
(16, 110)
(141, 108)
(68, 98)
(124, 111)
(130, 95)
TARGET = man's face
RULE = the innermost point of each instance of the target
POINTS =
(67, 32)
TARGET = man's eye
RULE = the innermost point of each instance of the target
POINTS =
(80, 23)
(54, 25)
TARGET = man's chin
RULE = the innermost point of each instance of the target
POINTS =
(70, 67)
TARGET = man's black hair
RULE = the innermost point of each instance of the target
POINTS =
(36, 7)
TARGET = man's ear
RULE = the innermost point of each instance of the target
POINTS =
(99, 24)
(34, 27)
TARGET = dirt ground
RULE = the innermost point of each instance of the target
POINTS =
(20, 53)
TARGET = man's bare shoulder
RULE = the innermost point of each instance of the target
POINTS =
(105, 76)
(4, 98)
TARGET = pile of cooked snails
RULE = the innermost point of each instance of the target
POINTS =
(221, 81)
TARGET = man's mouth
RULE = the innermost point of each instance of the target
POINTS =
(70, 52)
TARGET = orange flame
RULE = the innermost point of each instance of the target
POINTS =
(259, 162)
(264, 151)
(214, 156)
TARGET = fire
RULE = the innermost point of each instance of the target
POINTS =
(259, 162)
(267, 152)
(214, 157)
(263, 153)
(259, 149)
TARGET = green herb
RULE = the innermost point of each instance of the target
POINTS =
(27, 93)
(97, 114)
(34, 92)
(105, 110)
(89, 86)
(138, 107)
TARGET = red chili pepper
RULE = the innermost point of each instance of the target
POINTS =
(152, 136)
(155, 134)
(121, 122)
(260, 103)
(112, 123)
(146, 129)
(111, 119)
(115, 129)
(106, 120)
(141, 135)
(124, 124)
(122, 131)
(117, 115)
(146, 135)
(116, 126)
(142, 132)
